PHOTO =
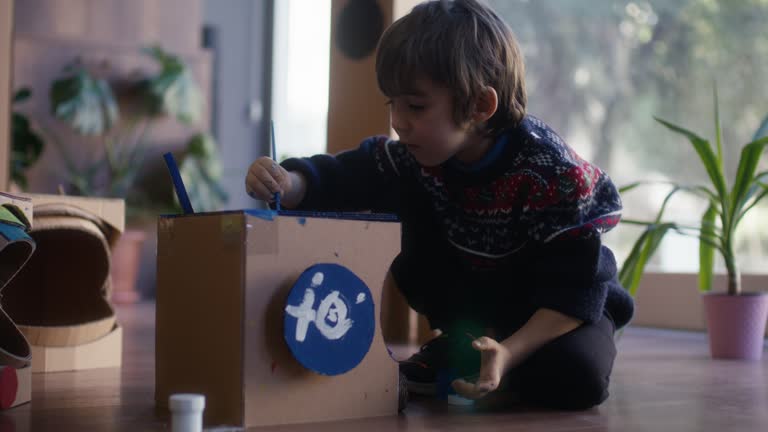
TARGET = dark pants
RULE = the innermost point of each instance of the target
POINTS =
(571, 372)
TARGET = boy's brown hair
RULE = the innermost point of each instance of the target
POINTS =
(459, 44)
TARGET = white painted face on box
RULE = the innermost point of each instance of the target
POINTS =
(330, 318)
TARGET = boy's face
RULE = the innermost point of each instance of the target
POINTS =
(423, 119)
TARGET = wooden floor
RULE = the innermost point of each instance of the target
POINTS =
(663, 381)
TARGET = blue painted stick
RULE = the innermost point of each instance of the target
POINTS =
(178, 183)
(274, 157)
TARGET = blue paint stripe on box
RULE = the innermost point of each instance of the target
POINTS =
(377, 217)
(270, 215)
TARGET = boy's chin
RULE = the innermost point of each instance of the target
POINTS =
(428, 162)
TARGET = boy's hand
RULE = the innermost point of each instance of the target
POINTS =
(495, 361)
(266, 177)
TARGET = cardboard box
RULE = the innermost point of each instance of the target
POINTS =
(59, 300)
(223, 280)
(110, 211)
(104, 352)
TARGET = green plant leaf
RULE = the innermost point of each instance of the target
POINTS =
(762, 130)
(26, 148)
(763, 192)
(706, 251)
(745, 174)
(708, 159)
(675, 190)
(629, 187)
(718, 131)
(173, 90)
(201, 172)
(698, 190)
(629, 268)
(646, 245)
(85, 102)
(22, 94)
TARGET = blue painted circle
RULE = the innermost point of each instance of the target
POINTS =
(329, 319)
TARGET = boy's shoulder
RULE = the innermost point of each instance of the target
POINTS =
(540, 147)
(558, 175)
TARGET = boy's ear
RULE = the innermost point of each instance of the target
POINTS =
(485, 105)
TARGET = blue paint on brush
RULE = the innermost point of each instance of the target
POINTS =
(274, 157)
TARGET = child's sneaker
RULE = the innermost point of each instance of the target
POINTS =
(448, 351)
(420, 369)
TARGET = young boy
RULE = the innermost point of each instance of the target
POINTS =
(501, 220)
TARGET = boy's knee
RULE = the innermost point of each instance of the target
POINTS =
(575, 394)
(571, 379)
(584, 393)
(580, 386)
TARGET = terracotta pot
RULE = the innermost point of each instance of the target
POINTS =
(126, 259)
(736, 324)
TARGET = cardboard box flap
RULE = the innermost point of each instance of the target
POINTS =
(110, 211)
(104, 352)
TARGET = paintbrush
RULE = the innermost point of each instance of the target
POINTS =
(274, 157)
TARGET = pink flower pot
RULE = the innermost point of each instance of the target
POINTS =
(736, 324)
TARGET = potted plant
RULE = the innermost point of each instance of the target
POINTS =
(735, 320)
(119, 113)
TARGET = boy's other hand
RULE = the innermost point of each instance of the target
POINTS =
(265, 178)
(495, 360)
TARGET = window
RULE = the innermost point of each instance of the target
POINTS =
(599, 70)
(300, 76)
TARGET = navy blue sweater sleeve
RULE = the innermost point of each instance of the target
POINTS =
(573, 270)
(354, 180)
(572, 277)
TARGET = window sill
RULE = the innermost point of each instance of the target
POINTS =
(672, 300)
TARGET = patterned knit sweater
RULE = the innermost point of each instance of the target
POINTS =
(493, 241)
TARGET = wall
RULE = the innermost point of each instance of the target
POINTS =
(356, 107)
(6, 62)
(50, 34)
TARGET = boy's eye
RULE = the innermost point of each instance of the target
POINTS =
(403, 105)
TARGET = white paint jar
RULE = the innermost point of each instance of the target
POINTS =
(186, 412)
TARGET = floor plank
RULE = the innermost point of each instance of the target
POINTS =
(663, 380)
